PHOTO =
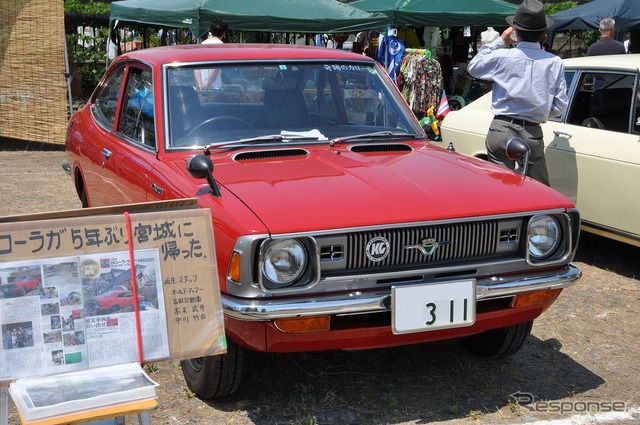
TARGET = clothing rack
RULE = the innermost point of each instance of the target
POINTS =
(414, 51)
(420, 80)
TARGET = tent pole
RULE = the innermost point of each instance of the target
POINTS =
(68, 75)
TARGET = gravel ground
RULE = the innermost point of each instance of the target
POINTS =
(583, 353)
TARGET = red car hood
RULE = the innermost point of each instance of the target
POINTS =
(335, 187)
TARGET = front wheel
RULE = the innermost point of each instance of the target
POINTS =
(83, 197)
(215, 376)
(497, 343)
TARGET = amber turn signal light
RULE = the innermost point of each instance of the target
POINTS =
(538, 297)
(296, 325)
(233, 272)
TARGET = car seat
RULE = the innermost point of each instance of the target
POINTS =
(185, 111)
(611, 107)
(283, 106)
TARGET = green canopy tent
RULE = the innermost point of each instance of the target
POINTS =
(316, 16)
(440, 13)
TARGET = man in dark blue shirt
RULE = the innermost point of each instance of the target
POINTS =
(607, 45)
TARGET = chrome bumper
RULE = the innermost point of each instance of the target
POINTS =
(357, 302)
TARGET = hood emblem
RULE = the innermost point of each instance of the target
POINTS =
(378, 249)
(427, 246)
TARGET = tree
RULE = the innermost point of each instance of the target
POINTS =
(586, 37)
(87, 49)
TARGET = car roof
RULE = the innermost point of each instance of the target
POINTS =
(629, 62)
(235, 52)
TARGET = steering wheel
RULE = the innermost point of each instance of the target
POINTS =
(593, 122)
(216, 123)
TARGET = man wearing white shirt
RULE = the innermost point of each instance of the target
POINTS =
(528, 86)
(210, 79)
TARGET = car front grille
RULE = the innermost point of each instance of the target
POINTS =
(455, 241)
(420, 246)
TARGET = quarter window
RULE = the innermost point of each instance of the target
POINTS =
(568, 76)
(107, 100)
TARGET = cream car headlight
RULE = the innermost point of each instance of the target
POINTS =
(283, 261)
(543, 236)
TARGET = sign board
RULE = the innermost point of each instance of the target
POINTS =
(69, 284)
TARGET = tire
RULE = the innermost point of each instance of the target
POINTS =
(215, 376)
(498, 343)
(83, 197)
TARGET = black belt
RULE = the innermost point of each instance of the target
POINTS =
(518, 121)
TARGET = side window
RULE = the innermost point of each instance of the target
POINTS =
(107, 100)
(603, 100)
(137, 122)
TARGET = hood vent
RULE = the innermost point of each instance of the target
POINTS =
(386, 148)
(271, 154)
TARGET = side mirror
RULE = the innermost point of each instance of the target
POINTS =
(200, 167)
(518, 150)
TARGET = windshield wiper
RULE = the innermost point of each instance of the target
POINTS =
(283, 136)
(376, 135)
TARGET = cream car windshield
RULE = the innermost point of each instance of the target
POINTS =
(312, 101)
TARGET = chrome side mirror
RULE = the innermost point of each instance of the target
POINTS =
(518, 150)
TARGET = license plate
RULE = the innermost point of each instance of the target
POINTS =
(419, 308)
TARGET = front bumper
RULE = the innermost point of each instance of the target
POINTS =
(360, 302)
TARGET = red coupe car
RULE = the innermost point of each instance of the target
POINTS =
(116, 299)
(19, 286)
(338, 225)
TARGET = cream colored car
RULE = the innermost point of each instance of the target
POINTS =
(592, 150)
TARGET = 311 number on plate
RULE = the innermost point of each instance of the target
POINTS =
(425, 307)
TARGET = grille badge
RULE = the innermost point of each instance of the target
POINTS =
(427, 247)
(378, 249)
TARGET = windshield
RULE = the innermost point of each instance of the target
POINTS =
(310, 101)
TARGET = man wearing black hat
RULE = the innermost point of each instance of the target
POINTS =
(528, 86)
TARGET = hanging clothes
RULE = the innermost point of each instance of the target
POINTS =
(420, 80)
(370, 42)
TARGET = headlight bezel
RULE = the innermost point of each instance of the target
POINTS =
(307, 275)
(560, 249)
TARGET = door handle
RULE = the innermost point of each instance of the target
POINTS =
(562, 133)
(106, 153)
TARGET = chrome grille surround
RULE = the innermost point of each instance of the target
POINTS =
(469, 247)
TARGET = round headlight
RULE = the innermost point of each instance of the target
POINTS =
(543, 235)
(283, 261)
